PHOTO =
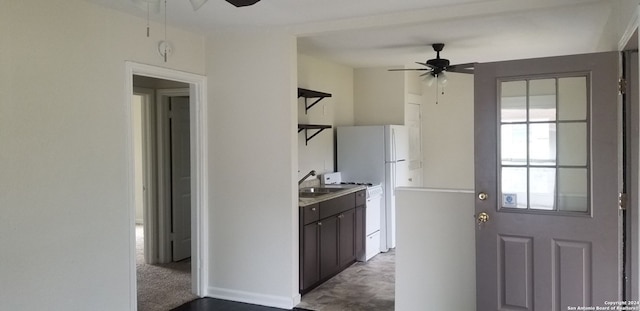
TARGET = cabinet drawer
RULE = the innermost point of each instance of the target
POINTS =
(337, 205)
(361, 197)
(310, 213)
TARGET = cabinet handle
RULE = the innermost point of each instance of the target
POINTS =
(341, 216)
(313, 209)
(319, 223)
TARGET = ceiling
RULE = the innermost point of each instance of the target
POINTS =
(393, 33)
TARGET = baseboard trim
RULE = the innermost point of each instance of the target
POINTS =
(254, 298)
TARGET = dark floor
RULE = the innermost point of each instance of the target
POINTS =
(212, 304)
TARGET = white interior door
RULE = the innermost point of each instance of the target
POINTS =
(413, 122)
(547, 178)
(180, 178)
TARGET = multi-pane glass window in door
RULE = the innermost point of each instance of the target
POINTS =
(544, 144)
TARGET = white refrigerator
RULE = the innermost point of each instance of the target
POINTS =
(377, 155)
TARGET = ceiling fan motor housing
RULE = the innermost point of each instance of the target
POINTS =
(438, 64)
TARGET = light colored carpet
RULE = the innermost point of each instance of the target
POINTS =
(361, 287)
(161, 287)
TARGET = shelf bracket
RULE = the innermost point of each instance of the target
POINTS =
(307, 106)
(307, 127)
(308, 138)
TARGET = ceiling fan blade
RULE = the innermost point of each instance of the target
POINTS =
(425, 64)
(462, 68)
(196, 4)
(241, 3)
(411, 69)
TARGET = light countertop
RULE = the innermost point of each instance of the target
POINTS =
(346, 190)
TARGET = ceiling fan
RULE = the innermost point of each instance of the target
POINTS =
(196, 4)
(436, 67)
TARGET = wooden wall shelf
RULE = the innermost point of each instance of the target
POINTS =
(306, 94)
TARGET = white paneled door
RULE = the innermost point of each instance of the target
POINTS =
(413, 122)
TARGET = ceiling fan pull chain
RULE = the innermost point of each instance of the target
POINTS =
(165, 30)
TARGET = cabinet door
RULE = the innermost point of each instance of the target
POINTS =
(347, 237)
(329, 261)
(360, 232)
(310, 273)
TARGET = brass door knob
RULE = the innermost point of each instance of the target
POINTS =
(482, 217)
(483, 196)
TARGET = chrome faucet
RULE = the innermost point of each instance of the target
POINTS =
(312, 173)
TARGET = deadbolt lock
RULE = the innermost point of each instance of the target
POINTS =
(483, 196)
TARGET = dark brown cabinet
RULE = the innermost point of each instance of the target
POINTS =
(360, 232)
(309, 249)
(329, 260)
(331, 237)
(347, 242)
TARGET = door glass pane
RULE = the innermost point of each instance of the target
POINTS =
(542, 185)
(542, 100)
(513, 144)
(572, 144)
(572, 190)
(513, 101)
(542, 144)
(572, 98)
(514, 187)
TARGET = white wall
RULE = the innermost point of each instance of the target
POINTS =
(378, 96)
(253, 163)
(435, 252)
(448, 149)
(325, 76)
(64, 195)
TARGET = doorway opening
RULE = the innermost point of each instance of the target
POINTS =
(166, 132)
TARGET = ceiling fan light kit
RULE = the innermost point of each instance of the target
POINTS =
(440, 78)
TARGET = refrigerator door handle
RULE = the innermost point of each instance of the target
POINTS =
(401, 160)
(393, 144)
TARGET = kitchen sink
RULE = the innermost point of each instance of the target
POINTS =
(320, 190)
(312, 192)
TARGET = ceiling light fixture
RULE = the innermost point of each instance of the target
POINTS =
(439, 78)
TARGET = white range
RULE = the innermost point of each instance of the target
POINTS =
(374, 212)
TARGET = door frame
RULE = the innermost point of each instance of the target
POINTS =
(199, 169)
(631, 281)
(164, 167)
(149, 215)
